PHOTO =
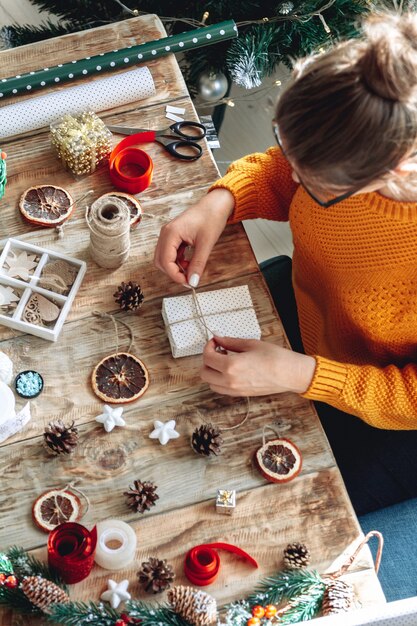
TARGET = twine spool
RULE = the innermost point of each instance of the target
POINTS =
(109, 224)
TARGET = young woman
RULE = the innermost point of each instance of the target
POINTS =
(344, 174)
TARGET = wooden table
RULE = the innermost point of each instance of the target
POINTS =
(314, 508)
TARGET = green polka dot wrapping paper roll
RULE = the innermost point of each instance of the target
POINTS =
(116, 59)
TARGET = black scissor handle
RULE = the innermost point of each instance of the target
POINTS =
(175, 149)
(179, 126)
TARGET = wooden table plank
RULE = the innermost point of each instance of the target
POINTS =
(317, 501)
(313, 508)
(66, 366)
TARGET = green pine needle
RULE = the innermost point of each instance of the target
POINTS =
(83, 614)
(305, 606)
(154, 615)
(16, 599)
(286, 584)
(25, 564)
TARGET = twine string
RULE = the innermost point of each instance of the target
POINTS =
(200, 317)
(274, 430)
(115, 322)
(109, 222)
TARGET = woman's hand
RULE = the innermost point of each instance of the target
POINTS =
(199, 226)
(255, 368)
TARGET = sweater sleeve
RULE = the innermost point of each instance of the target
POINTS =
(383, 397)
(262, 186)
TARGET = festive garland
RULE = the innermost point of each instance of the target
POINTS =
(288, 597)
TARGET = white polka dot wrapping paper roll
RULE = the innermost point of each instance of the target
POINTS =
(227, 312)
(98, 95)
(116, 59)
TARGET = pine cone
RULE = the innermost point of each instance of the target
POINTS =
(296, 555)
(338, 597)
(156, 575)
(129, 296)
(60, 438)
(43, 593)
(206, 440)
(195, 606)
(141, 496)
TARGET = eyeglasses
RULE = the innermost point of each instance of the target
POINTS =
(323, 203)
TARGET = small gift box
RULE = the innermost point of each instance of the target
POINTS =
(82, 142)
(225, 501)
(193, 319)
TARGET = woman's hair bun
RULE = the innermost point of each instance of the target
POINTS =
(389, 60)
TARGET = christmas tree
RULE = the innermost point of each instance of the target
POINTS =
(269, 32)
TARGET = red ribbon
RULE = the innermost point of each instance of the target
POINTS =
(202, 563)
(71, 549)
(124, 156)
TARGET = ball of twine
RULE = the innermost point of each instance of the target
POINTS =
(109, 224)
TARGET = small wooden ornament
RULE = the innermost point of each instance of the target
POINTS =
(58, 276)
(120, 378)
(39, 310)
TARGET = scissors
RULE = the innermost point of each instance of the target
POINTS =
(180, 139)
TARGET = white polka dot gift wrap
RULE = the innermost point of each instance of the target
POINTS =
(227, 312)
(97, 95)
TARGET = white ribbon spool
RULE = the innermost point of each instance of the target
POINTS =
(120, 556)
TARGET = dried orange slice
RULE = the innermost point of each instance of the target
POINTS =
(55, 507)
(133, 205)
(120, 378)
(46, 205)
(279, 460)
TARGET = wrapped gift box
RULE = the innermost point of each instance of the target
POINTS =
(226, 501)
(227, 312)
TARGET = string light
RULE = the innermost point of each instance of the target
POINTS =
(264, 20)
(325, 24)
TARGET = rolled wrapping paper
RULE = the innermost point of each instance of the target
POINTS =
(116, 59)
(97, 95)
(71, 549)
(117, 556)
(202, 563)
(125, 157)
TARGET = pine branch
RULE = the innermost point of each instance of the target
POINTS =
(14, 35)
(85, 10)
(304, 607)
(83, 614)
(285, 585)
(25, 564)
(16, 599)
(154, 616)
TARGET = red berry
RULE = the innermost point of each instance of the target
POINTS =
(11, 582)
(2, 579)
(270, 611)
(254, 621)
(258, 611)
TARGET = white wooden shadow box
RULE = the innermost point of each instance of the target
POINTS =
(37, 288)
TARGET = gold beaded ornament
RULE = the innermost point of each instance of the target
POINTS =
(82, 142)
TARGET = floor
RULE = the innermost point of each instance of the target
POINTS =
(246, 128)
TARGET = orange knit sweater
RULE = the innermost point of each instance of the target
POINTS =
(355, 283)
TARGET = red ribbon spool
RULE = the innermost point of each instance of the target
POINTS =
(124, 156)
(202, 563)
(71, 549)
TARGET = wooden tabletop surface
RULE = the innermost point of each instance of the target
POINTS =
(314, 508)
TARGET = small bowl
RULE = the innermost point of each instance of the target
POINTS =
(30, 396)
